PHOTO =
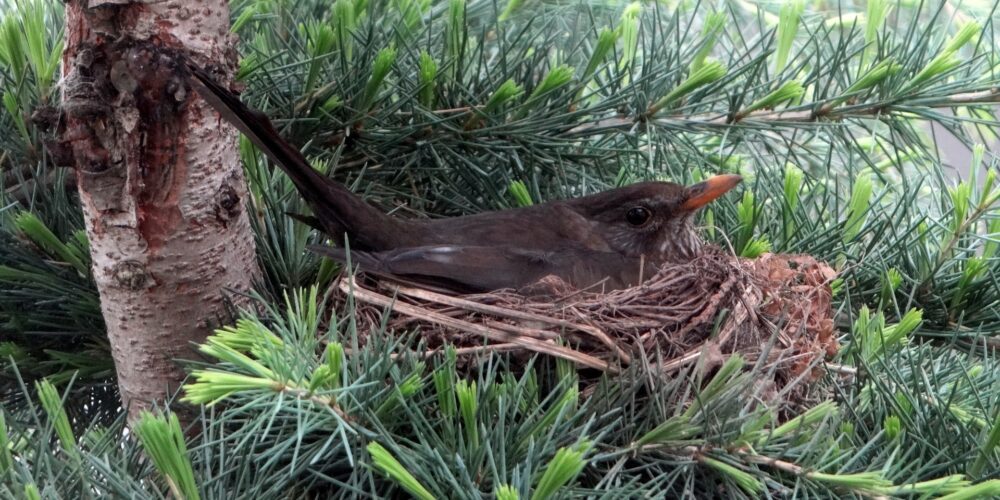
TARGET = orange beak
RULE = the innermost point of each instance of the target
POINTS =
(700, 194)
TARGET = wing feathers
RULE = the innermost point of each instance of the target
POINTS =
(483, 268)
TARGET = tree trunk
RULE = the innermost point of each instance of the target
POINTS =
(159, 178)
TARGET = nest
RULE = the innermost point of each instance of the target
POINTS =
(776, 306)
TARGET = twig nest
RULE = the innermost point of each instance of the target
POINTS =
(776, 306)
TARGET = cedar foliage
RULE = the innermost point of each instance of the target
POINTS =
(837, 114)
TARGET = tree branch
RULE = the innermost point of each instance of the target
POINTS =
(792, 116)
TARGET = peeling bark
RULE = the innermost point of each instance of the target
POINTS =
(159, 179)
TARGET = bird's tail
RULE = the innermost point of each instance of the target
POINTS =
(337, 208)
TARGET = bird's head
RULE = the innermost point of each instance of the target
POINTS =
(653, 218)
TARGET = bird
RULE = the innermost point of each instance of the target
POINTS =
(612, 239)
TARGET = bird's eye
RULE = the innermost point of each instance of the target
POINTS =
(638, 216)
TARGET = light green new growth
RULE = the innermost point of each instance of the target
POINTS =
(10, 103)
(512, 5)
(507, 91)
(380, 69)
(946, 60)
(455, 33)
(606, 40)
(554, 79)
(876, 13)
(52, 403)
(520, 193)
(990, 446)
(322, 39)
(468, 406)
(792, 185)
(857, 207)
(874, 76)
(344, 19)
(563, 468)
(892, 426)
(212, 386)
(676, 430)
(6, 458)
(788, 91)
(507, 492)
(811, 417)
(163, 441)
(757, 246)
(710, 72)
(864, 481)
(788, 27)
(744, 480)
(714, 25)
(628, 30)
(428, 79)
(388, 464)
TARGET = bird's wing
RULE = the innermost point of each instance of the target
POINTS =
(470, 269)
(465, 269)
(553, 226)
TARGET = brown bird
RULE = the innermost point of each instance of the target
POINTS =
(615, 238)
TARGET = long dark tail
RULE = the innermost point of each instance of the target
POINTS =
(337, 208)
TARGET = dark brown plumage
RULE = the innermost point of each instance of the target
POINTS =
(617, 235)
